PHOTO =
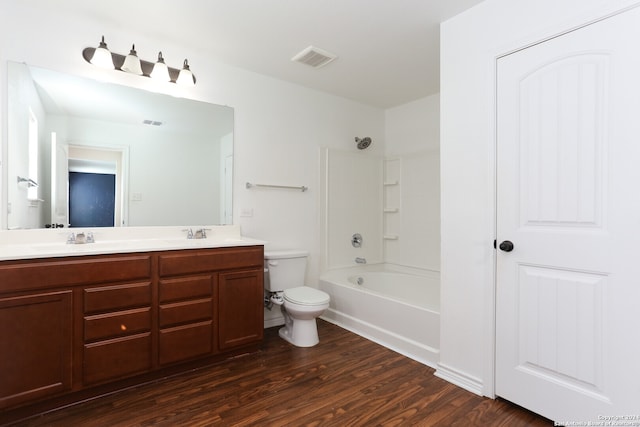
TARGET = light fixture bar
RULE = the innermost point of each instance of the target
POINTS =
(147, 67)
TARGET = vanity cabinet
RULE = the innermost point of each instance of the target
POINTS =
(38, 320)
(79, 326)
(237, 276)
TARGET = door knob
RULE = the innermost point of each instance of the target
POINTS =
(506, 246)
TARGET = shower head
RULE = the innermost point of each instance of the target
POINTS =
(363, 143)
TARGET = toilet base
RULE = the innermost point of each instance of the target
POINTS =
(301, 333)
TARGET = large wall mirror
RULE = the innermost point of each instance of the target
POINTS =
(83, 153)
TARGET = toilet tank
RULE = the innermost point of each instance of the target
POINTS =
(284, 269)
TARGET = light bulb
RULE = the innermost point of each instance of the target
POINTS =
(185, 78)
(102, 57)
(132, 62)
(160, 70)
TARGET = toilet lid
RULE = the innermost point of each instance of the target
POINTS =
(305, 295)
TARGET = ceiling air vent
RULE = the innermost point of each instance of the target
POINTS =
(314, 57)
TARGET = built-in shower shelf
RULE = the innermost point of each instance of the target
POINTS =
(391, 210)
(390, 237)
(388, 183)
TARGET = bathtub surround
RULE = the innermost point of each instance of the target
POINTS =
(364, 193)
(395, 195)
(411, 203)
(352, 204)
(412, 135)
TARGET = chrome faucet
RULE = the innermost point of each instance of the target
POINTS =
(201, 234)
(81, 237)
(189, 233)
(360, 260)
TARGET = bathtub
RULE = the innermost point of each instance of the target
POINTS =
(396, 307)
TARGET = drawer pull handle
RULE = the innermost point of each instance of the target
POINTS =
(123, 327)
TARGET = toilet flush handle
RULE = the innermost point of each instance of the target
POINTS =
(273, 263)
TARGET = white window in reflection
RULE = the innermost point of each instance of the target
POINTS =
(32, 190)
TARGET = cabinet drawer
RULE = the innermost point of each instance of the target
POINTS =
(185, 312)
(41, 274)
(204, 260)
(121, 323)
(117, 297)
(117, 358)
(183, 288)
(186, 342)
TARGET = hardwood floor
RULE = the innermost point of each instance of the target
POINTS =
(345, 380)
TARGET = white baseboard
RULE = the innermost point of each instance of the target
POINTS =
(412, 349)
(459, 378)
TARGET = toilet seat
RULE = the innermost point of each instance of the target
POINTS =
(305, 295)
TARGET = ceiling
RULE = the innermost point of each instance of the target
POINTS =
(388, 50)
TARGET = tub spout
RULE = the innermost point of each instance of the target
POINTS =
(360, 260)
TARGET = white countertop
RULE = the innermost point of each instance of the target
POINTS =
(29, 244)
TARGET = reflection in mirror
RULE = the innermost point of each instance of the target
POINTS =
(100, 154)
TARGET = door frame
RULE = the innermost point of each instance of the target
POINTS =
(489, 366)
(121, 218)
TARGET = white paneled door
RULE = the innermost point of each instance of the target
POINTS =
(568, 224)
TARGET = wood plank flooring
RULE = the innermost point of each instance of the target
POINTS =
(345, 380)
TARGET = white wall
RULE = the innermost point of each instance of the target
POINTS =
(413, 138)
(470, 43)
(279, 127)
(414, 126)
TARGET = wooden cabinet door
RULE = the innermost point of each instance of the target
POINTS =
(36, 355)
(240, 308)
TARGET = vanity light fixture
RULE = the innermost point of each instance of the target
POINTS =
(102, 57)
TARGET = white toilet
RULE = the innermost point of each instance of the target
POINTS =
(284, 280)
